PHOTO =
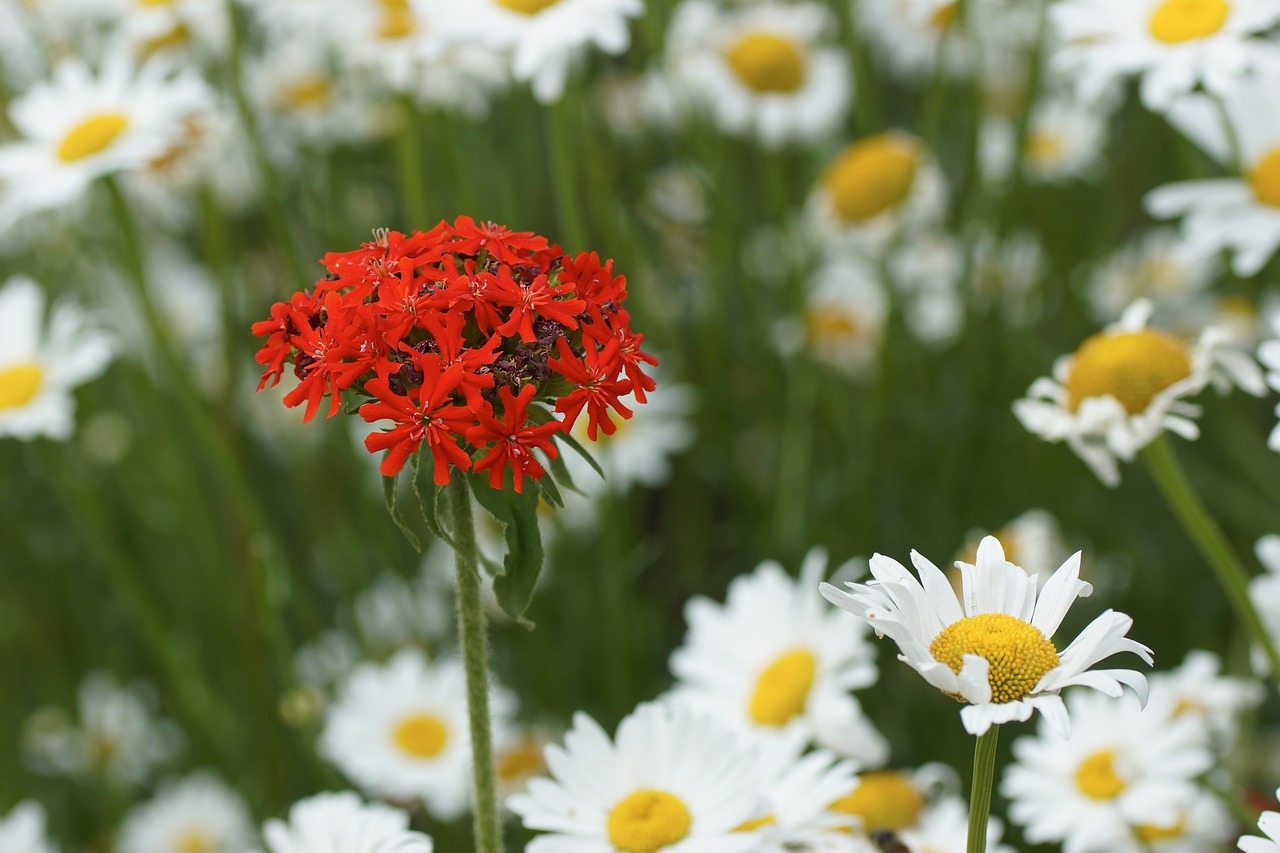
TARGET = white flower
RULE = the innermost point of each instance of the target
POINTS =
(993, 650)
(393, 613)
(1269, 823)
(926, 269)
(1237, 213)
(895, 800)
(670, 781)
(1197, 690)
(1007, 272)
(39, 366)
(944, 827)
(768, 71)
(1157, 266)
(773, 658)
(1264, 592)
(1269, 355)
(341, 823)
(1033, 540)
(844, 315)
(1065, 141)
(1124, 386)
(1123, 772)
(914, 36)
(799, 792)
(198, 813)
(1171, 44)
(23, 830)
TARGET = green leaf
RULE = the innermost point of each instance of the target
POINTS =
(560, 472)
(551, 491)
(389, 494)
(429, 493)
(581, 451)
(518, 515)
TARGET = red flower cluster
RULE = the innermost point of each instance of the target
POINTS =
(451, 334)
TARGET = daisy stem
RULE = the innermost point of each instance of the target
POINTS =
(1205, 532)
(475, 657)
(984, 777)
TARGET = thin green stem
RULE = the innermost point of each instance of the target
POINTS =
(1205, 532)
(984, 779)
(411, 178)
(568, 200)
(795, 454)
(475, 657)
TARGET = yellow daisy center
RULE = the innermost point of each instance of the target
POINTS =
(195, 841)
(179, 35)
(783, 688)
(1097, 779)
(422, 735)
(1018, 654)
(827, 326)
(397, 19)
(92, 136)
(648, 820)
(1044, 149)
(1264, 178)
(1150, 833)
(524, 759)
(752, 825)
(767, 63)
(1176, 21)
(871, 176)
(306, 93)
(1133, 367)
(19, 384)
(884, 800)
(527, 7)
(943, 16)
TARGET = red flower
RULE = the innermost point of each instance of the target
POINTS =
(628, 353)
(447, 334)
(470, 291)
(323, 353)
(537, 298)
(279, 330)
(514, 441)
(598, 387)
(498, 240)
(422, 414)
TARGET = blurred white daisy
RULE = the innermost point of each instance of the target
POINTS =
(1065, 141)
(1126, 385)
(1202, 824)
(799, 789)
(23, 830)
(341, 823)
(943, 827)
(844, 315)
(392, 613)
(773, 658)
(400, 730)
(767, 71)
(670, 781)
(1197, 689)
(1269, 823)
(199, 813)
(326, 660)
(993, 650)
(40, 365)
(914, 36)
(518, 756)
(1269, 355)
(895, 800)
(1033, 540)
(1173, 45)
(1122, 769)
(1006, 272)
(925, 268)
(1242, 213)
(1158, 266)
(1264, 592)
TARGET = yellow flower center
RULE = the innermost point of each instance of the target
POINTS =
(943, 16)
(179, 35)
(527, 7)
(885, 800)
(1043, 150)
(397, 19)
(422, 735)
(783, 688)
(19, 384)
(872, 176)
(827, 326)
(1018, 654)
(752, 825)
(1185, 20)
(648, 820)
(524, 759)
(767, 63)
(1149, 833)
(1133, 367)
(195, 841)
(1264, 178)
(1097, 777)
(92, 136)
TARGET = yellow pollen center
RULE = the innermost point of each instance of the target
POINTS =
(1177, 21)
(19, 384)
(1018, 654)
(306, 93)
(422, 735)
(397, 19)
(752, 825)
(1133, 367)
(527, 7)
(871, 176)
(767, 63)
(648, 820)
(92, 136)
(828, 326)
(1264, 178)
(943, 16)
(1097, 777)
(1150, 833)
(195, 841)
(1043, 150)
(523, 760)
(783, 688)
(885, 800)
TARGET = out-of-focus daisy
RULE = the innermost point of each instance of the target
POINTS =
(1033, 540)
(773, 658)
(894, 800)
(670, 781)
(652, 100)
(1264, 592)
(1065, 141)
(769, 71)
(1237, 213)
(325, 660)
(1156, 266)
(799, 790)
(23, 830)
(1122, 769)
(914, 36)
(1269, 355)
(1269, 823)
(925, 269)
(1006, 271)
(341, 823)
(40, 365)
(943, 827)
(400, 730)
(1196, 689)
(200, 813)
(392, 613)
(1171, 44)
(1128, 384)
(844, 315)
(518, 756)
(461, 78)
(993, 650)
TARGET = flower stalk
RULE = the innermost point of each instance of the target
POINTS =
(984, 776)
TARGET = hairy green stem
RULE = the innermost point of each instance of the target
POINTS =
(984, 779)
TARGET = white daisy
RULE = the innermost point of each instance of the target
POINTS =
(914, 36)
(341, 823)
(895, 800)
(1196, 689)
(1264, 592)
(1237, 213)
(1122, 769)
(1269, 355)
(1158, 266)
(392, 613)
(1171, 44)
(767, 71)
(1127, 384)
(1065, 141)
(518, 758)
(670, 781)
(400, 730)
(1269, 823)
(1033, 540)
(799, 791)
(40, 365)
(943, 827)
(200, 813)
(1006, 272)
(844, 316)
(993, 650)
(772, 658)
(23, 830)
(926, 269)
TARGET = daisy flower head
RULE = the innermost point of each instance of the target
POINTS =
(1269, 823)
(1065, 142)
(199, 813)
(799, 789)
(772, 659)
(845, 311)
(1172, 45)
(993, 649)
(1126, 385)
(1033, 540)
(1198, 690)
(1158, 266)
(671, 781)
(23, 830)
(916, 36)
(894, 800)
(925, 268)
(40, 364)
(767, 71)
(1264, 592)
(341, 823)
(943, 828)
